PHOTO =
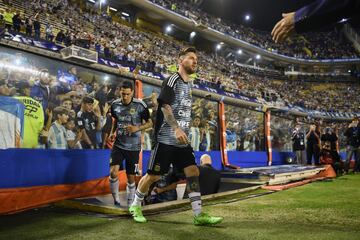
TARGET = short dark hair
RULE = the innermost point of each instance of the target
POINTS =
(59, 111)
(127, 84)
(187, 50)
(88, 99)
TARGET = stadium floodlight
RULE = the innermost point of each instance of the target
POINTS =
(92, 1)
(192, 34)
(247, 17)
(168, 29)
(18, 61)
(113, 9)
(239, 51)
(125, 14)
(258, 56)
(218, 46)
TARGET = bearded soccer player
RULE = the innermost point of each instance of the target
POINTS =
(171, 143)
(131, 117)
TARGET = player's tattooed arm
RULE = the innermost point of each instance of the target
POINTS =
(170, 119)
(169, 116)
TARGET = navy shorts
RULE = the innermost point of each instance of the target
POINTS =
(163, 155)
(131, 158)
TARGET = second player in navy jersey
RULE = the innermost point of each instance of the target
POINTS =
(131, 116)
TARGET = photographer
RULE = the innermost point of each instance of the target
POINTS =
(298, 139)
(313, 144)
(352, 145)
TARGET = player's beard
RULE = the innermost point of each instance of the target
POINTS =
(189, 70)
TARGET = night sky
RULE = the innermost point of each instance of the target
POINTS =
(264, 13)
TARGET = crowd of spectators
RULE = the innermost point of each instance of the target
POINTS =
(74, 102)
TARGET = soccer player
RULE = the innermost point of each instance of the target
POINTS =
(129, 114)
(171, 142)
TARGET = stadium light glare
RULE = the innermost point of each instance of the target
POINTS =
(102, 1)
(113, 9)
(192, 34)
(239, 51)
(125, 14)
(247, 17)
(258, 56)
(218, 46)
(168, 29)
(18, 61)
(92, 1)
(106, 78)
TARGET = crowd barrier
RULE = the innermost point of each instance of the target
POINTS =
(33, 177)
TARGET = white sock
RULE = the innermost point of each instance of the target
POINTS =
(139, 197)
(130, 192)
(195, 200)
(114, 186)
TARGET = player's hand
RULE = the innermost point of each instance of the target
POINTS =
(181, 136)
(131, 129)
(284, 28)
